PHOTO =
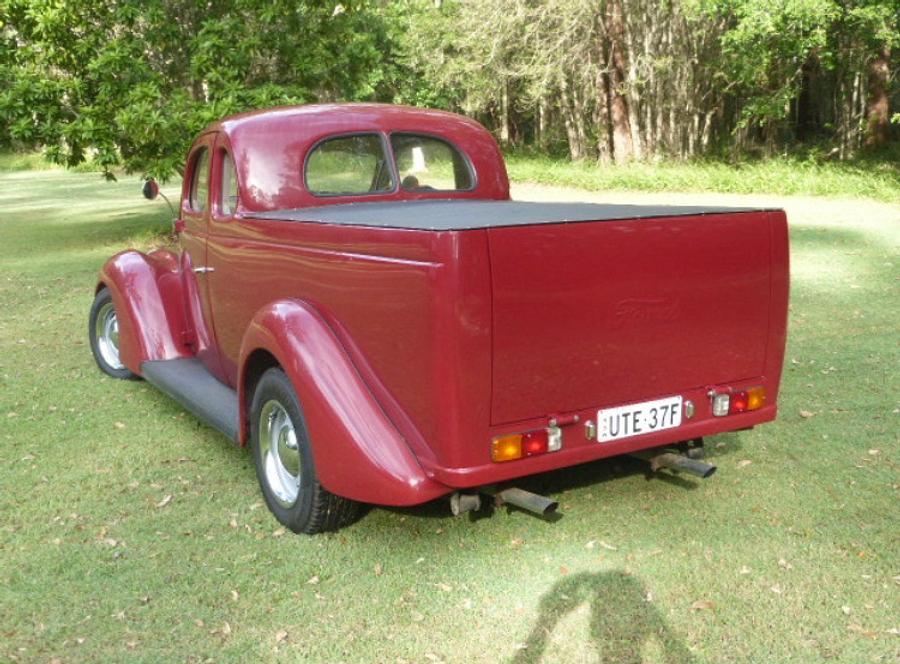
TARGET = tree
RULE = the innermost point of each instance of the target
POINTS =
(132, 81)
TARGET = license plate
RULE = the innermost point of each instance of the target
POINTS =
(638, 419)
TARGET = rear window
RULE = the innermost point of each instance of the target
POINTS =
(425, 163)
(348, 165)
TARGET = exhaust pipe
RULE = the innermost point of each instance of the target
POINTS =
(678, 462)
(532, 502)
(460, 503)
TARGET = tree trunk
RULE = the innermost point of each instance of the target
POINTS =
(878, 115)
(576, 148)
(504, 113)
(623, 148)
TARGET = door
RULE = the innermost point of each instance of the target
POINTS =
(195, 214)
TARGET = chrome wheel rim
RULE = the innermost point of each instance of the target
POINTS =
(279, 453)
(107, 330)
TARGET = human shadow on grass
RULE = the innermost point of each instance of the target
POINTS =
(622, 620)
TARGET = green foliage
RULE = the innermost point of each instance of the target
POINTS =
(768, 44)
(129, 83)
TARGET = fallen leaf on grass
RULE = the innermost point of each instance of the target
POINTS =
(165, 501)
(859, 629)
(846, 609)
(702, 605)
(233, 523)
(235, 595)
(606, 546)
(745, 570)
(443, 586)
(590, 545)
(224, 631)
(378, 569)
(776, 589)
(784, 564)
(281, 636)
(874, 452)
(279, 532)
(417, 616)
(563, 569)
(743, 463)
(313, 580)
(119, 425)
(805, 414)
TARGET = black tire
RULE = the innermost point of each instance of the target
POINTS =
(103, 332)
(280, 445)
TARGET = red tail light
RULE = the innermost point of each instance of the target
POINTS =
(738, 402)
(534, 442)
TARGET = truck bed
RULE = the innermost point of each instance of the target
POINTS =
(459, 215)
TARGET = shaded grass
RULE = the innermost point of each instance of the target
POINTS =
(793, 554)
(876, 179)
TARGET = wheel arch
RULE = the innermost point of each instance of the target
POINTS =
(359, 453)
(147, 291)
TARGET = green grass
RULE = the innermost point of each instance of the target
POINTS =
(35, 161)
(879, 180)
(789, 553)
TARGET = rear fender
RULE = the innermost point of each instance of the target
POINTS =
(147, 291)
(359, 453)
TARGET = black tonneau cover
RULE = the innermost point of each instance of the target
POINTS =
(458, 215)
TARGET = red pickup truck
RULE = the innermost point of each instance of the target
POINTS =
(357, 297)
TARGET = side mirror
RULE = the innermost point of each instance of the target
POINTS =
(151, 189)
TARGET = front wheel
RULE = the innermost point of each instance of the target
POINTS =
(284, 461)
(103, 332)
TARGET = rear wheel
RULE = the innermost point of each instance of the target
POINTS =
(103, 331)
(284, 461)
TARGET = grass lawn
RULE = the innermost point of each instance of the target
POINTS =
(867, 178)
(131, 532)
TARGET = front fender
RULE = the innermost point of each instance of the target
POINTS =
(147, 292)
(358, 452)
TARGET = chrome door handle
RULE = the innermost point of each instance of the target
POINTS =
(204, 269)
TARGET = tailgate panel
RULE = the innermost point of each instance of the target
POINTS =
(608, 312)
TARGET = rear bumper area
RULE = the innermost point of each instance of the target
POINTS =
(578, 449)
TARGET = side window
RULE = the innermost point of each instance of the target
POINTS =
(200, 181)
(425, 163)
(229, 184)
(349, 165)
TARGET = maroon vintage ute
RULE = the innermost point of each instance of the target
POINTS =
(357, 297)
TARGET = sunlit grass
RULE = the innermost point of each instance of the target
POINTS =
(787, 554)
(879, 180)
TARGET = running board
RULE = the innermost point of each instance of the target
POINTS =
(194, 387)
